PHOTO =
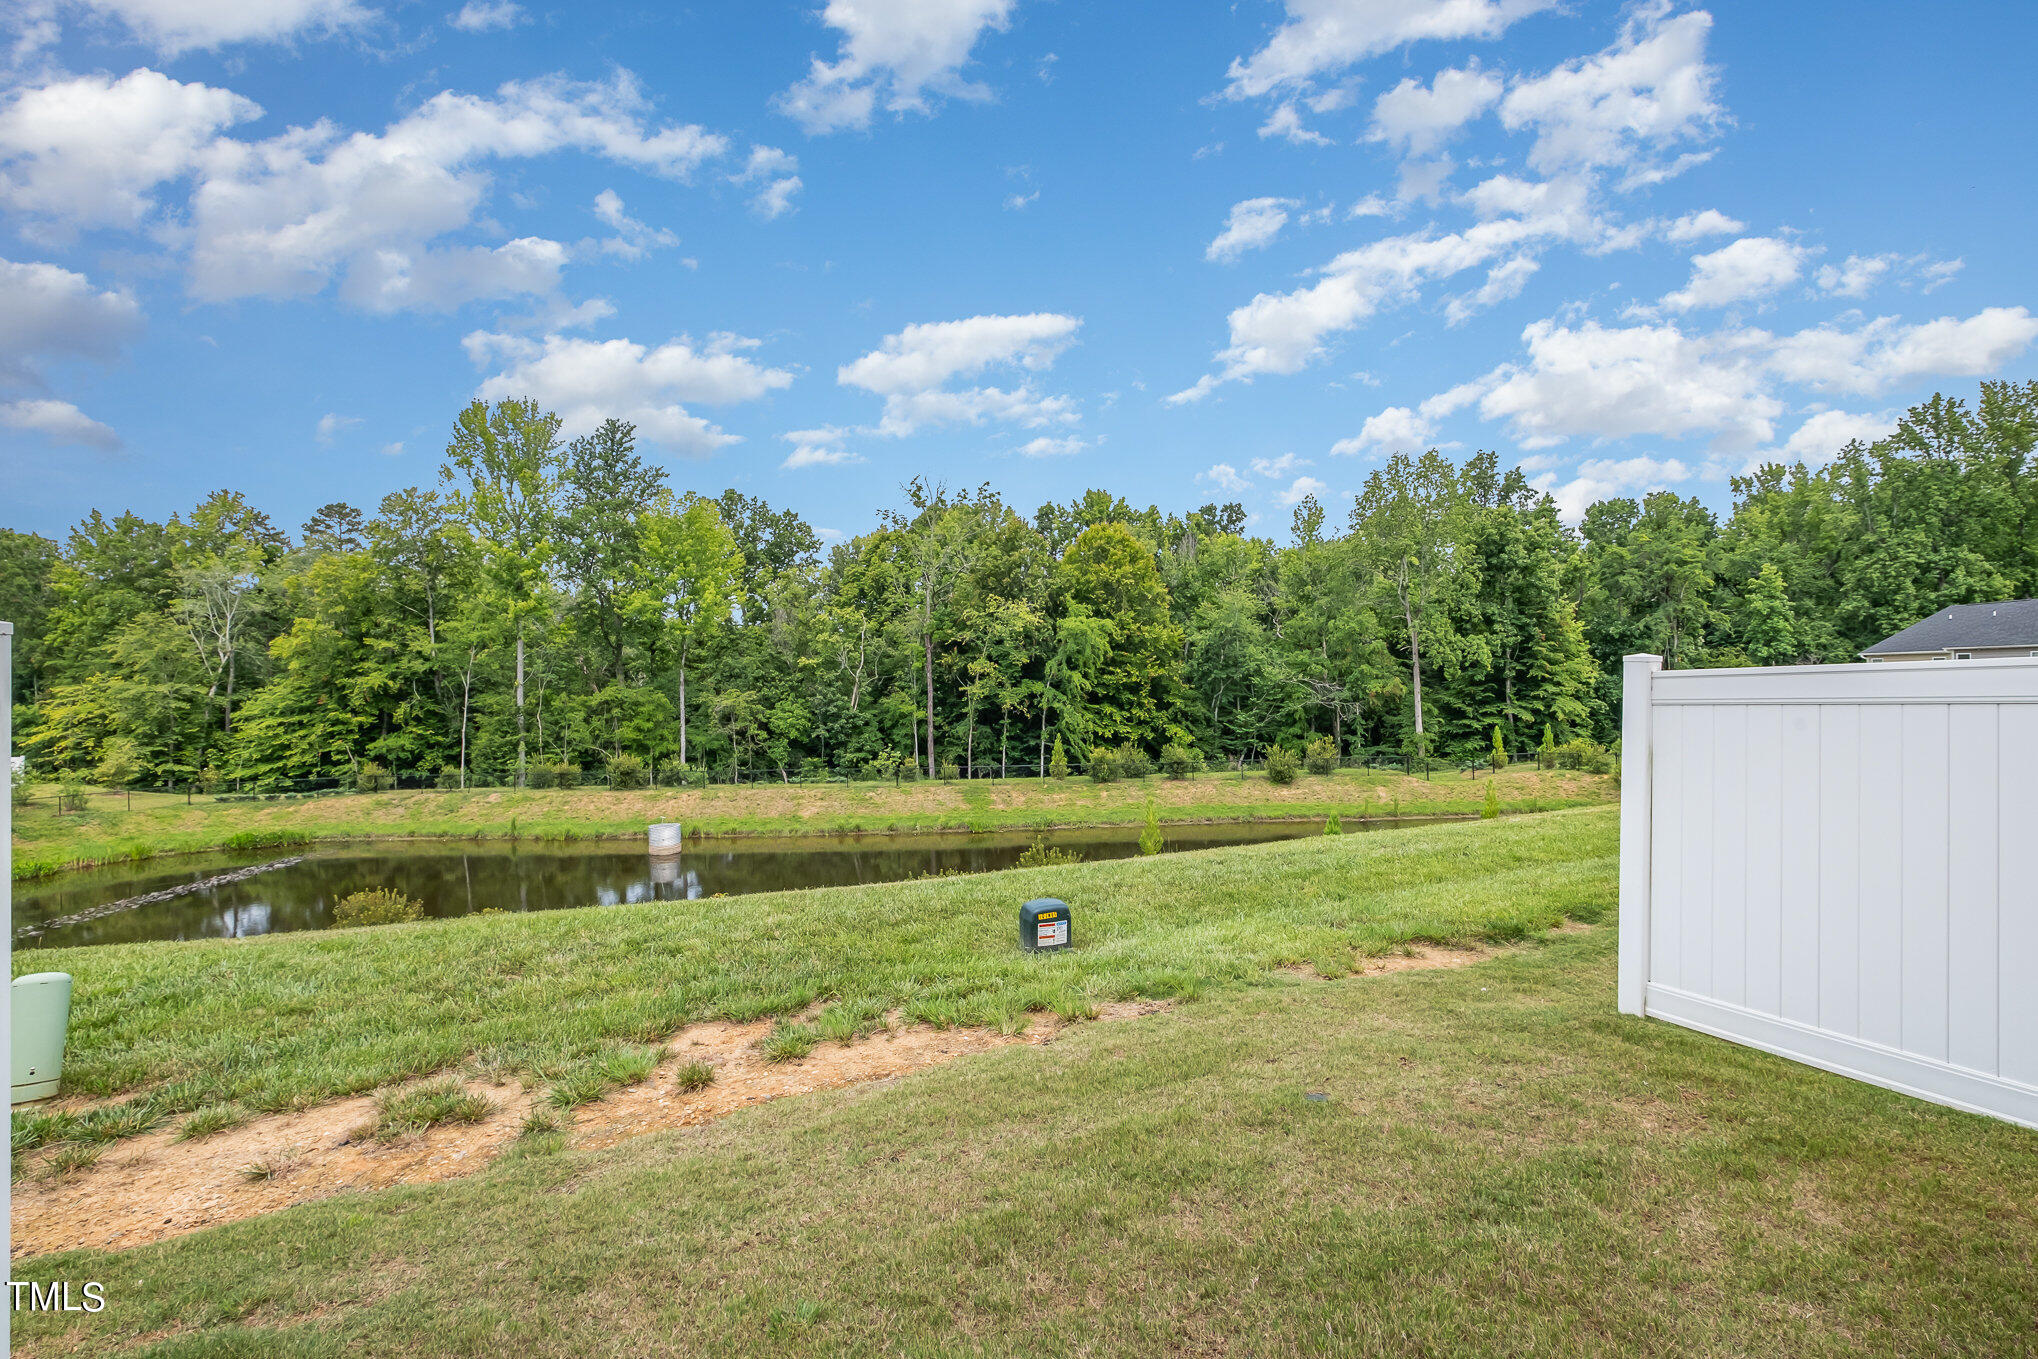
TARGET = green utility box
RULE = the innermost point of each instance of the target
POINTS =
(1044, 924)
(41, 1015)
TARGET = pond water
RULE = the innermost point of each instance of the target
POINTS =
(462, 876)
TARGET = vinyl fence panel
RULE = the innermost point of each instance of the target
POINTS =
(1839, 864)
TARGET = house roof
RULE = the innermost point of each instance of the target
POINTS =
(2013, 622)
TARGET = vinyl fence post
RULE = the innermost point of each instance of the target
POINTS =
(1638, 675)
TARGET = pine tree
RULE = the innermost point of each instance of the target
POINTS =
(1546, 754)
(1492, 807)
(1499, 756)
(1058, 762)
(1768, 624)
(1150, 840)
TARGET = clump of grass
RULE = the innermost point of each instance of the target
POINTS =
(378, 906)
(694, 1076)
(602, 1075)
(541, 1122)
(114, 1122)
(789, 1042)
(274, 1165)
(70, 1158)
(1039, 855)
(41, 1127)
(211, 1119)
(427, 1106)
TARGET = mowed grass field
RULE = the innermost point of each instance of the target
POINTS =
(45, 841)
(1500, 1164)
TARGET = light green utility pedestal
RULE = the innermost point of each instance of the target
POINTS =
(41, 1013)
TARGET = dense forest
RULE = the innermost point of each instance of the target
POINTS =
(559, 603)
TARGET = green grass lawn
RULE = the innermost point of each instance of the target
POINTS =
(109, 830)
(1501, 1165)
(284, 1020)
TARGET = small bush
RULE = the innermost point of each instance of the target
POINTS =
(1178, 761)
(1282, 766)
(1058, 762)
(1492, 807)
(376, 906)
(1334, 826)
(626, 771)
(542, 776)
(427, 1106)
(1038, 855)
(1320, 756)
(950, 770)
(1546, 753)
(1104, 767)
(1133, 762)
(70, 796)
(22, 792)
(1584, 754)
(449, 776)
(1498, 757)
(1150, 839)
(694, 1076)
(788, 1042)
(373, 778)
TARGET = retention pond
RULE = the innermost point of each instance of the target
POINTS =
(234, 895)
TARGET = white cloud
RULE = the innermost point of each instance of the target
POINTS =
(1323, 37)
(1751, 267)
(633, 239)
(774, 173)
(58, 421)
(1251, 225)
(1397, 428)
(586, 381)
(331, 423)
(1226, 478)
(47, 312)
(1045, 447)
(816, 448)
(1601, 479)
(1821, 437)
(1883, 352)
(1696, 226)
(174, 26)
(289, 216)
(909, 369)
(1857, 275)
(1417, 120)
(1620, 107)
(1276, 468)
(1619, 383)
(1303, 486)
(393, 450)
(479, 16)
(90, 151)
(1286, 122)
(1504, 281)
(894, 53)
(1014, 202)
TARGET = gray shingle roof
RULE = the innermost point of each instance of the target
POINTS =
(2012, 622)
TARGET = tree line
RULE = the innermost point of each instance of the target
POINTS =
(553, 604)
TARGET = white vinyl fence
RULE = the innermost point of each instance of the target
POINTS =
(1839, 864)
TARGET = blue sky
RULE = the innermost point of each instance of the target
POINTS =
(1184, 253)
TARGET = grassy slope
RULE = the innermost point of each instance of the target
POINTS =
(1503, 1165)
(282, 1020)
(44, 841)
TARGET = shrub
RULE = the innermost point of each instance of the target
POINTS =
(1320, 756)
(376, 906)
(1546, 753)
(1492, 807)
(120, 763)
(373, 778)
(1038, 855)
(627, 771)
(22, 792)
(567, 774)
(1150, 840)
(1104, 766)
(1498, 759)
(449, 776)
(1585, 754)
(1133, 762)
(1058, 762)
(950, 770)
(542, 776)
(1282, 766)
(1334, 826)
(70, 796)
(1178, 761)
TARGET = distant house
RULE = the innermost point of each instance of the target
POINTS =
(1965, 632)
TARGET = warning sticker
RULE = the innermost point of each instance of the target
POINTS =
(1053, 933)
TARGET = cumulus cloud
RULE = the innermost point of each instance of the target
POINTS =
(1302, 486)
(1251, 225)
(1601, 479)
(1752, 267)
(480, 16)
(1624, 106)
(91, 151)
(1046, 447)
(910, 370)
(58, 421)
(1324, 37)
(1276, 468)
(633, 239)
(175, 26)
(1417, 119)
(1225, 477)
(1881, 353)
(1822, 436)
(586, 381)
(816, 448)
(774, 175)
(48, 312)
(1286, 123)
(1397, 428)
(1696, 226)
(893, 54)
